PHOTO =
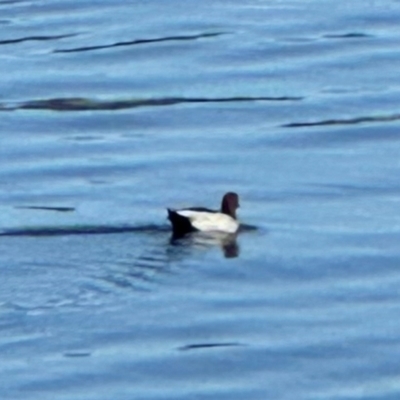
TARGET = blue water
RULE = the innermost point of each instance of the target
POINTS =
(112, 112)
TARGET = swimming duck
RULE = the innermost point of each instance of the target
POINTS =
(202, 219)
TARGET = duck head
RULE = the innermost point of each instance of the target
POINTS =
(230, 203)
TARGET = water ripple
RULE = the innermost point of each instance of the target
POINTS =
(83, 230)
(35, 39)
(349, 35)
(46, 208)
(136, 42)
(83, 104)
(197, 346)
(349, 121)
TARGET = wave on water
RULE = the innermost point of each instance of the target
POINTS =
(135, 42)
(46, 208)
(349, 35)
(41, 38)
(228, 243)
(85, 104)
(349, 121)
(93, 229)
(83, 230)
(212, 345)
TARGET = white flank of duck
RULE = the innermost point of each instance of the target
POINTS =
(202, 219)
(210, 221)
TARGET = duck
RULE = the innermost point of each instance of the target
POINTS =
(202, 219)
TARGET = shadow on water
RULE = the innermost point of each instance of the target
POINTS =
(83, 104)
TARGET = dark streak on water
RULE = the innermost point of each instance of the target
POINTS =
(199, 346)
(83, 230)
(136, 42)
(77, 354)
(350, 35)
(35, 39)
(45, 208)
(92, 229)
(81, 104)
(350, 121)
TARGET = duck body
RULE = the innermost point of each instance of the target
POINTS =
(202, 219)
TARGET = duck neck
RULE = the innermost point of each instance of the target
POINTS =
(228, 210)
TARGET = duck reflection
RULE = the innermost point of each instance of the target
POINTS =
(226, 241)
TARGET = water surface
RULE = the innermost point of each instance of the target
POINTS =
(110, 113)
